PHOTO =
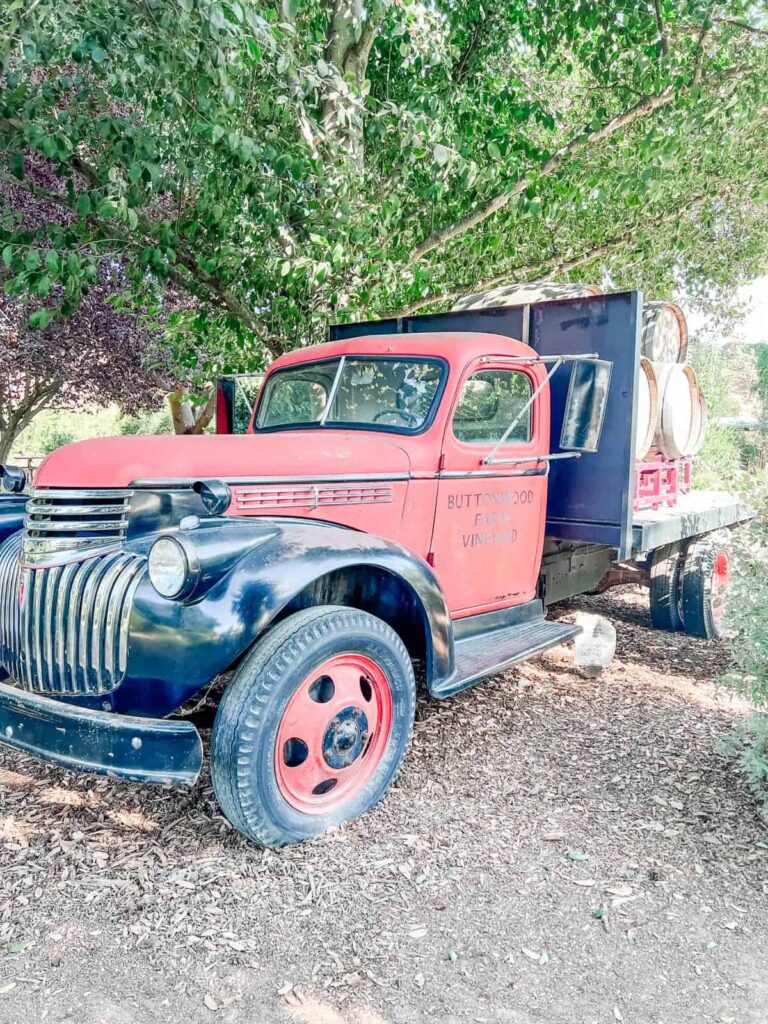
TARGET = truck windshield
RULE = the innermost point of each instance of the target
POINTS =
(355, 391)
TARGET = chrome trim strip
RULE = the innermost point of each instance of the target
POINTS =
(485, 474)
(55, 493)
(116, 526)
(331, 478)
(47, 511)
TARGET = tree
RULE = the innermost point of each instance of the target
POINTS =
(322, 159)
(97, 354)
(94, 356)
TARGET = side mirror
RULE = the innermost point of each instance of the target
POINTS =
(585, 405)
(13, 479)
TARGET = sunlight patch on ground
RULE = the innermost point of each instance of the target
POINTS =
(307, 1010)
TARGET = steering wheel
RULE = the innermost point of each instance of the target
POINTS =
(409, 417)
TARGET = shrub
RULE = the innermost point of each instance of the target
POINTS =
(748, 618)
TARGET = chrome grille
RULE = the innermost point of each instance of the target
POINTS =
(68, 634)
(10, 619)
(62, 526)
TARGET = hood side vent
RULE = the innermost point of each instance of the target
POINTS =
(257, 499)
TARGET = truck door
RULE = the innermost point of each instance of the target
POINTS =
(489, 519)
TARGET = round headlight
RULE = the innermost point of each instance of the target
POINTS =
(168, 567)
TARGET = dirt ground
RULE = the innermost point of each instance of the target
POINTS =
(557, 849)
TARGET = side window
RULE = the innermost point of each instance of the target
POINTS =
(490, 401)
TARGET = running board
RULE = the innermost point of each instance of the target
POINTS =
(478, 657)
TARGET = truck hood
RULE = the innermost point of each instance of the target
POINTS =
(121, 461)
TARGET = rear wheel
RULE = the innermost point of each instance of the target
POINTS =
(706, 582)
(313, 728)
(665, 588)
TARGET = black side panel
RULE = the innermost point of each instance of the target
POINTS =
(590, 498)
(504, 320)
(338, 332)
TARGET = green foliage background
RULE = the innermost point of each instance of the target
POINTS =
(275, 166)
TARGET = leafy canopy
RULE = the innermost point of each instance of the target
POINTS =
(283, 165)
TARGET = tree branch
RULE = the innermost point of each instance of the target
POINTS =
(641, 109)
(463, 65)
(660, 27)
(559, 266)
(738, 23)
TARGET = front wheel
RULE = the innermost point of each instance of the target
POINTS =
(314, 726)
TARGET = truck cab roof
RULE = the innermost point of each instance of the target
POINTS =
(457, 348)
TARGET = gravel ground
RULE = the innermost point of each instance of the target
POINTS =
(557, 849)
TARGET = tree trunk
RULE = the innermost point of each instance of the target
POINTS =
(15, 419)
(189, 418)
(6, 440)
(351, 33)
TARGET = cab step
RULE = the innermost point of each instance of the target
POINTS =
(485, 654)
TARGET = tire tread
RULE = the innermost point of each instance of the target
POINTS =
(244, 706)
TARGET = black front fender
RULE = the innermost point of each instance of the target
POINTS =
(12, 509)
(176, 648)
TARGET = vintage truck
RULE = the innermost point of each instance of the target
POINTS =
(408, 499)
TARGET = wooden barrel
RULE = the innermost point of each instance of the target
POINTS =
(698, 442)
(679, 419)
(524, 292)
(664, 333)
(647, 408)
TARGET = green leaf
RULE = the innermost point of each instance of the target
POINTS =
(32, 261)
(40, 318)
(52, 262)
(83, 206)
(97, 54)
(493, 151)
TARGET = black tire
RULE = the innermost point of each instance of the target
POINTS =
(665, 588)
(703, 591)
(246, 727)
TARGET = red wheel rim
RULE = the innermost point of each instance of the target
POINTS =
(721, 582)
(333, 733)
